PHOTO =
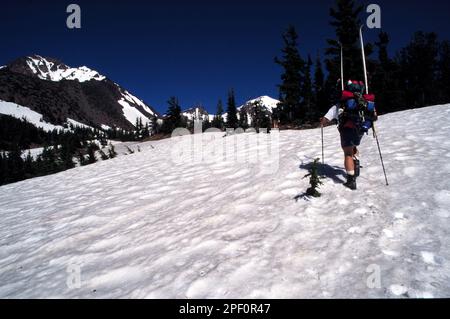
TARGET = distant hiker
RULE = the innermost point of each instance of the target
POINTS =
(355, 114)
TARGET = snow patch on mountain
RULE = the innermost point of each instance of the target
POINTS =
(134, 100)
(197, 113)
(35, 118)
(131, 113)
(51, 71)
(78, 124)
(266, 101)
(19, 112)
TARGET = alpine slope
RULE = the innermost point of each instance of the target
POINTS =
(146, 226)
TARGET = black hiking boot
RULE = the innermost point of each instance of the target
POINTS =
(357, 166)
(351, 182)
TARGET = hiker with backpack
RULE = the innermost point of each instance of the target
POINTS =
(354, 113)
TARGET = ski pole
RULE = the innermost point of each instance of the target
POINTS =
(342, 67)
(381, 156)
(364, 59)
(323, 156)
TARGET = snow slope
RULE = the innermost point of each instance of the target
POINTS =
(35, 118)
(130, 112)
(19, 112)
(143, 226)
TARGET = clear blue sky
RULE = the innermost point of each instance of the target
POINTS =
(195, 50)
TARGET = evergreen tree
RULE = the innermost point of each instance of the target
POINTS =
(67, 152)
(259, 117)
(154, 127)
(346, 21)
(243, 119)
(206, 124)
(322, 105)
(444, 72)
(232, 120)
(146, 130)
(292, 79)
(174, 118)
(218, 119)
(29, 170)
(49, 160)
(308, 96)
(15, 165)
(81, 158)
(385, 81)
(3, 169)
(314, 180)
(418, 63)
(92, 147)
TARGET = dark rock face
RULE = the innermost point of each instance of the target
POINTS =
(93, 102)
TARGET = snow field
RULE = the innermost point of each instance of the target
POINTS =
(147, 226)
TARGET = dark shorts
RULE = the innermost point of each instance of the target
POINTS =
(350, 137)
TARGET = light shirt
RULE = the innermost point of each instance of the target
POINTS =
(333, 113)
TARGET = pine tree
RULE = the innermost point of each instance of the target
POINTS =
(243, 119)
(15, 165)
(49, 160)
(320, 99)
(292, 79)
(29, 166)
(232, 120)
(154, 127)
(174, 118)
(385, 81)
(206, 124)
(81, 158)
(3, 169)
(418, 63)
(257, 114)
(146, 130)
(314, 180)
(444, 72)
(346, 21)
(92, 147)
(66, 155)
(307, 93)
(218, 119)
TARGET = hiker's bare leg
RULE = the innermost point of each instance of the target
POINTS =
(349, 163)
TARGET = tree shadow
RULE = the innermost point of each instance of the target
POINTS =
(334, 173)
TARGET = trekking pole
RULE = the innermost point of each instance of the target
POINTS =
(323, 157)
(381, 156)
(367, 92)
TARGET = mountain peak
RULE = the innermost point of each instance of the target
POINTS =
(51, 69)
(265, 101)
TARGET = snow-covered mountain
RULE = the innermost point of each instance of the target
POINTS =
(53, 70)
(150, 226)
(58, 92)
(197, 113)
(266, 102)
